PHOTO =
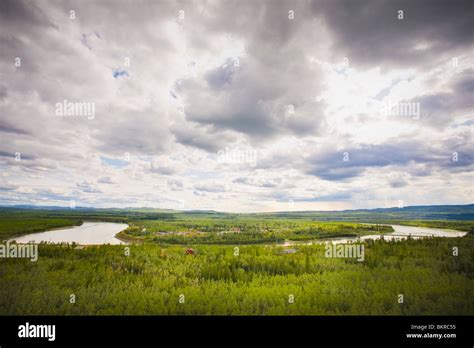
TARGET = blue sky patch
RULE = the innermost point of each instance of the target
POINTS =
(113, 162)
(119, 73)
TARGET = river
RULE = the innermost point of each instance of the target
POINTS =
(92, 233)
(399, 233)
(89, 233)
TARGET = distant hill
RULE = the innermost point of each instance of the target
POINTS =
(427, 212)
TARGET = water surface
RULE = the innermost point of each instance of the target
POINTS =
(399, 233)
(89, 233)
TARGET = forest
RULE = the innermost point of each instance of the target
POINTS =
(205, 263)
(242, 280)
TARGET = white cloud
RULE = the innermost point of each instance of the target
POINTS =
(226, 77)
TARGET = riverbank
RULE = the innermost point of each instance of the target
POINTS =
(88, 233)
(17, 227)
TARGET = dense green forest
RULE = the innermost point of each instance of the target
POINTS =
(256, 280)
(234, 267)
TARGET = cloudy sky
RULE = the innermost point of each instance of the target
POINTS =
(236, 105)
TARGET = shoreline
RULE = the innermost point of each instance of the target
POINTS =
(123, 242)
(47, 230)
(125, 239)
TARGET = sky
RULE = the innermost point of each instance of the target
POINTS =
(239, 106)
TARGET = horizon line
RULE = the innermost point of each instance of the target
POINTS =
(24, 206)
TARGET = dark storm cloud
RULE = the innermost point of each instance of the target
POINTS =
(326, 172)
(21, 23)
(332, 166)
(253, 97)
(398, 182)
(201, 137)
(220, 77)
(194, 140)
(9, 128)
(254, 100)
(438, 109)
(369, 32)
(21, 14)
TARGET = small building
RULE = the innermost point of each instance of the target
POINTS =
(190, 251)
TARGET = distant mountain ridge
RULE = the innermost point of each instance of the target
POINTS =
(425, 212)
